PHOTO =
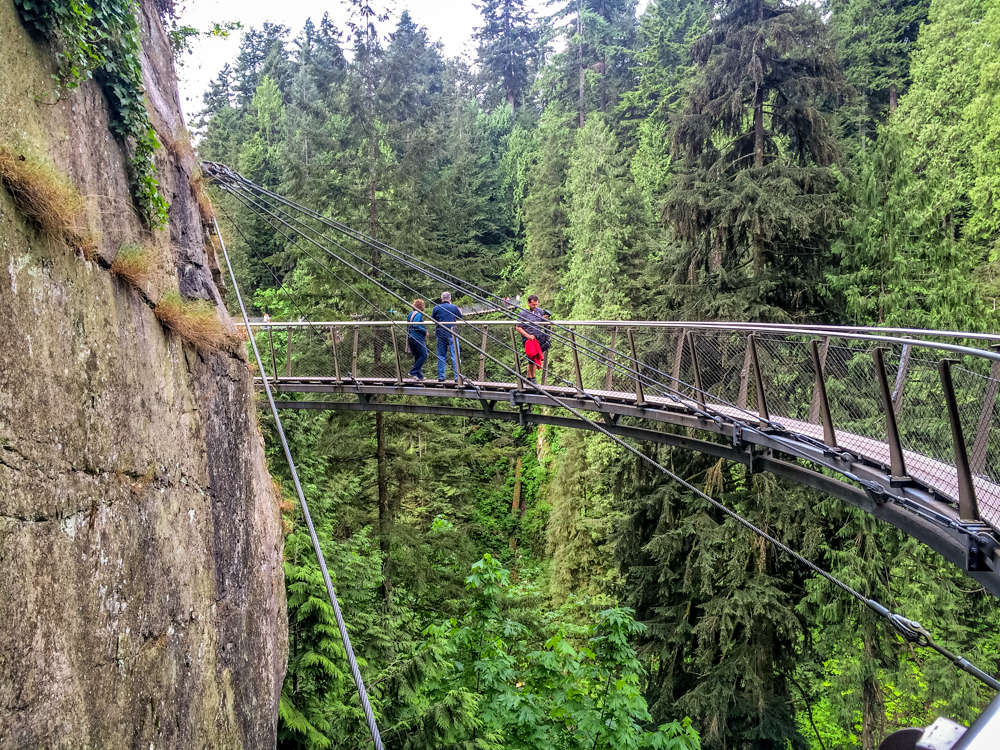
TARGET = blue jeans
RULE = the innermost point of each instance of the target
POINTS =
(419, 349)
(445, 344)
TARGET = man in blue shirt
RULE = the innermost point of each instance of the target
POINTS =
(446, 340)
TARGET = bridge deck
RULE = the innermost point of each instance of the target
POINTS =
(933, 474)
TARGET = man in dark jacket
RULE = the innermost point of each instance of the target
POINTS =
(445, 313)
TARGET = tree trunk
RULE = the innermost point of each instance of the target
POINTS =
(893, 98)
(758, 128)
(515, 506)
(384, 510)
(871, 705)
(579, 62)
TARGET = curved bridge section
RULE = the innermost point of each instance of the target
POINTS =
(902, 424)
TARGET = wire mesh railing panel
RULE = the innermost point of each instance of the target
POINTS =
(855, 399)
(788, 376)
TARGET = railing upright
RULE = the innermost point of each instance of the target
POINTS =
(741, 399)
(699, 391)
(395, 351)
(897, 389)
(288, 353)
(968, 507)
(517, 359)
(482, 356)
(678, 354)
(611, 358)
(336, 359)
(820, 366)
(982, 440)
(758, 379)
(639, 396)
(819, 394)
(576, 361)
(354, 355)
(270, 345)
(897, 463)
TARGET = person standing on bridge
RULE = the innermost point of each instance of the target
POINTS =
(529, 325)
(443, 314)
(416, 339)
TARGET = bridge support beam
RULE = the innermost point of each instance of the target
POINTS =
(897, 465)
(482, 356)
(968, 507)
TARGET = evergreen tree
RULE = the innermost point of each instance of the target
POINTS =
(754, 197)
(507, 43)
(606, 225)
(875, 39)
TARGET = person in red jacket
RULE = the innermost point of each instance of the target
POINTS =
(529, 325)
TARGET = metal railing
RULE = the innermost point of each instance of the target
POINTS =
(923, 404)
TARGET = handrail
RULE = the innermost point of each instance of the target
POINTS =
(842, 332)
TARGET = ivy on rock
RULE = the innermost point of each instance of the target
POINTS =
(101, 40)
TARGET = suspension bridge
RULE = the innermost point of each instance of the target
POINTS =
(901, 423)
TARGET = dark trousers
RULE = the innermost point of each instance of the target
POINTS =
(419, 349)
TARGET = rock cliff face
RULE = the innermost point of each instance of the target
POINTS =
(141, 587)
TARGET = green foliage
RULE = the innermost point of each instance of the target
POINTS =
(489, 681)
(103, 40)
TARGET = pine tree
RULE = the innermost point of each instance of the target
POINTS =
(754, 197)
(606, 225)
(875, 39)
(507, 44)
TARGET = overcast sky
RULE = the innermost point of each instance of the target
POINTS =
(450, 21)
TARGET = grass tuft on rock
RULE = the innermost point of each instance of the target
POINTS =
(47, 198)
(196, 322)
(134, 264)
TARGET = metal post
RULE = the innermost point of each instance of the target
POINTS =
(982, 441)
(819, 395)
(897, 390)
(679, 354)
(699, 392)
(545, 370)
(741, 399)
(897, 465)
(814, 405)
(336, 359)
(395, 350)
(639, 398)
(288, 349)
(576, 361)
(517, 359)
(457, 362)
(758, 379)
(968, 508)
(354, 356)
(482, 356)
(270, 343)
(611, 358)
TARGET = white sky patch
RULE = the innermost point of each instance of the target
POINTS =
(452, 22)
